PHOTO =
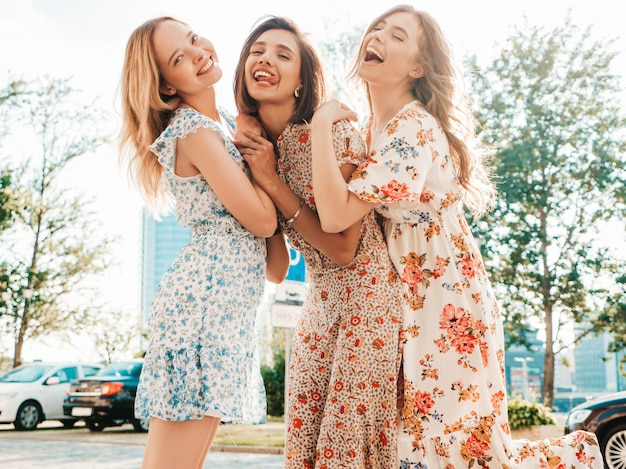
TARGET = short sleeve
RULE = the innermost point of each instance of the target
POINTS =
(348, 143)
(400, 159)
(184, 121)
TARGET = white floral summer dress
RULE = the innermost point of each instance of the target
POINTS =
(202, 358)
(455, 404)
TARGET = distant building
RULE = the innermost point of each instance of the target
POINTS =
(582, 372)
(161, 242)
(597, 371)
(594, 372)
(524, 368)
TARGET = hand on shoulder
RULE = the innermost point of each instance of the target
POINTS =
(332, 111)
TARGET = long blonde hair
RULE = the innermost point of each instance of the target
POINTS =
(438, 91)
(145, 113)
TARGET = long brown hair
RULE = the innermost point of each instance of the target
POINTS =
(145, 112)
(313, 91)
(440, 93)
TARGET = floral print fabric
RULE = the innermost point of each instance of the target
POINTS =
(454, 412)
(202, 357)
(341, 410)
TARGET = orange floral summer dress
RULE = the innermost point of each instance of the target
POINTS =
(455, 404)
(341, 410)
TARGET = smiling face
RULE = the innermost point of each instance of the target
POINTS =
(389, 52)
(272, 68)
(187, 62)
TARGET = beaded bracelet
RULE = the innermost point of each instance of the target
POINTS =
(297, 214)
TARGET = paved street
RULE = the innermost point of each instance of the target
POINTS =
(57, 448)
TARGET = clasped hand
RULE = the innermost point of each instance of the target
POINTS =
(256, 150)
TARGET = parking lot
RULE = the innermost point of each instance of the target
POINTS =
(53, 447)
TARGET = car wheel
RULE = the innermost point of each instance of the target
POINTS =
(28, 416)
(141, 425)
(614, 448)
(95, 425)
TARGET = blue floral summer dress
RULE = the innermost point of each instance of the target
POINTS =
(202, 357)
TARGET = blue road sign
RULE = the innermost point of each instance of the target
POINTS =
(297, 268)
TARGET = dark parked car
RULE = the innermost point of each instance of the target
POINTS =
(606, 417)
(106, 399)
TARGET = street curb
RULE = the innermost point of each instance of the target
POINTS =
(246, 449)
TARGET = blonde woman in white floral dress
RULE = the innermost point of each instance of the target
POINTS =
(420, 170)
(201, 365)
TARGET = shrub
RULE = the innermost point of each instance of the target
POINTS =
(524, 414)
(274, 380)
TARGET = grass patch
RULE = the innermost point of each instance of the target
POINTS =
(271, 433)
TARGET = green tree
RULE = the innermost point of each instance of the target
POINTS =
(8, 202)
(55, 243)
(613, 319)
(113, 335)
(274, 375)
(549, 106)
(338, 51)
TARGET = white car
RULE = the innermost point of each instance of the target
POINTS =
(34, 392)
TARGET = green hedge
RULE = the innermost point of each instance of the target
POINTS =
(274, 380)
(524, 414)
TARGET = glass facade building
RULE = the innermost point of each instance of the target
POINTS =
(161, 240)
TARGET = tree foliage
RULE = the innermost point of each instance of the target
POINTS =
(338, 51)
(7, 200)
(549, 106)
(113, 335)
(54, 243)
(274, 374)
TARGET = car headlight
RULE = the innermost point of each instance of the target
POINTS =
(577, 416)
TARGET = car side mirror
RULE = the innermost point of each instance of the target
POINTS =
(53, 380)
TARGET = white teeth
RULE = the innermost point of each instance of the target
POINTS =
(205, 68)
(373, 51)
(261, 73)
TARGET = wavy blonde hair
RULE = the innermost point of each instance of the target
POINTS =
(438, 91)
(145, 113)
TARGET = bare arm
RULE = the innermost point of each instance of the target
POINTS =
(337, 206)
(247, 123)
(277, 258)
(249, 204)
(340, 247)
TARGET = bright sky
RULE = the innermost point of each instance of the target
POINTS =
(85, 40)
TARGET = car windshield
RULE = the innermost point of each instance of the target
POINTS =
(25, 374)
(120, 369)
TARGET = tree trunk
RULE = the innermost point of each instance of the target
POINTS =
(19, 338)
(547, 391)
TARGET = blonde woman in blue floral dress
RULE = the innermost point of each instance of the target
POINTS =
(201, 365)
(420, 170)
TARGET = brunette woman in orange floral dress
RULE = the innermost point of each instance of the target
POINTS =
(341, 410)
(421, 169)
